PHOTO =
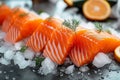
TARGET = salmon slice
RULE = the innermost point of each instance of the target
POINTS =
(4, 12)
(85, 47)
(59, 44)
(8, 22)
(24, 24)
(42, 34)
(108, 42)
(87, 43)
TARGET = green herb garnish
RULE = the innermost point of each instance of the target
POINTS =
(40, 11)
(39, 60)
(108, 31)
(109, 20)
(71, 23)
(23, 14)
(16, 10)
(99, 27)
(23, 49)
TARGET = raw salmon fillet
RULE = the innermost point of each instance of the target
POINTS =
(8, 22)
(85, 47)
(59, 45)
(108, 42)
(42, 34)
(23, 26)
(4, 12)
(87, 43)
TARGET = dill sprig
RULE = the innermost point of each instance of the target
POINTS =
(16, 10)
(23, 49)
(40, 11)
(98, 27)
(39, 60)
(23, 14)
(108, 31)
(73, 23)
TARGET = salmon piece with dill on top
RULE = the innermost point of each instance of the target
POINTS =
(23, 26)
(41, 36)
(8, 22)
(61, 41)
(85, 47)
(88, 43)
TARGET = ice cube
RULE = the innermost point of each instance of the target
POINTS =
(18, 58)
(19, 45)
(4, 61)
(24, 63)
(44, 15)
(29, 54)
(2, 35)
(84, 68)
(101, 59)
(69, 69)
(9, 54)
(47, 67)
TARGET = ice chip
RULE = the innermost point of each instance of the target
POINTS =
(44, 15)
(19, 45)
(18, 58)
(101, 59)
(69, 69)
(47, 67)
(23, 64)
(4, 61)
(9, 54)
(2, 35)
(84, 68)
(29, 54)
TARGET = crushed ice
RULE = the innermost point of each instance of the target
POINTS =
(101, 59)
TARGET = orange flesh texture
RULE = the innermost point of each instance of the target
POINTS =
(85, 47)
(108, 42)
(59, 45)
(13, 35)
(9, 21)
(25, 25)
(4, 12)
(42, 34)
(96, 9)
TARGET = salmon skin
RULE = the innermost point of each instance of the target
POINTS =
(4, 12)
(23, 26)
(40, 37)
